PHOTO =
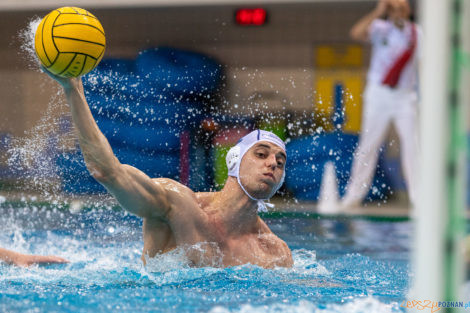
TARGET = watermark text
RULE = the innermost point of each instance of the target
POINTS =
(433, 306)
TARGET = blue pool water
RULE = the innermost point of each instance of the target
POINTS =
(341, 265)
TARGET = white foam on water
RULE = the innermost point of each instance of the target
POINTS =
(305, 262)
(91, 261)
(170, 261)
(360, 305)
(88, 265)
(175, 266)
(208, 254)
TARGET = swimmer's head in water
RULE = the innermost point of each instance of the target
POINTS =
(236, 153)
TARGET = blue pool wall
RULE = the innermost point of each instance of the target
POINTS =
(142, 106)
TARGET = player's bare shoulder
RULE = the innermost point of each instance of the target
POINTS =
(181, 198)
(174, 190)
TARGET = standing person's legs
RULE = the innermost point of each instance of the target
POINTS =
(374, 129)
(406, 125)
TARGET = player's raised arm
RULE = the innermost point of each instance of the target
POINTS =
(137, 192)
(360, 30)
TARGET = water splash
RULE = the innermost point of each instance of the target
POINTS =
(26, 37)
(31, 157)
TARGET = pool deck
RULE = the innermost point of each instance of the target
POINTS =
(372, 209)
(397, 209)
(391, 209)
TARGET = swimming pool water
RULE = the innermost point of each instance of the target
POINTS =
(341, 265)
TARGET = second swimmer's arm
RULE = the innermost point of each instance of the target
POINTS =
(20, 259)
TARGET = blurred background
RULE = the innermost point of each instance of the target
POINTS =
(182, 81)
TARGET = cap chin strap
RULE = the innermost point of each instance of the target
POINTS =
(262, 206)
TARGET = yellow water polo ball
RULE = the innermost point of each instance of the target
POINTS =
(70, 42)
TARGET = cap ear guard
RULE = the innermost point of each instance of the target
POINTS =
(233, 155)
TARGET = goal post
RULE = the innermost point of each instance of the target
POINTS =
(438, 248)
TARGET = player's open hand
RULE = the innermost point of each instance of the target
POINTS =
(65, 82)
(25, 260)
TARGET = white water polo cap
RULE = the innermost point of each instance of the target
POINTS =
(236, 153)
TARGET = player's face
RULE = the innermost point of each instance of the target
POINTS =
(261, 169)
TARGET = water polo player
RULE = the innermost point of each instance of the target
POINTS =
(214, 228)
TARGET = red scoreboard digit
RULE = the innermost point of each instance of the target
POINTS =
(251, 17)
